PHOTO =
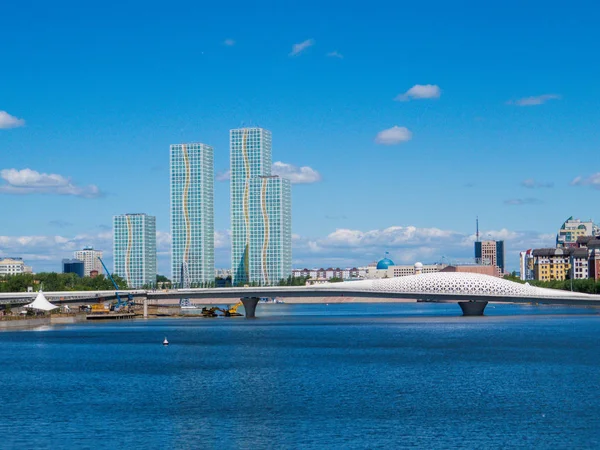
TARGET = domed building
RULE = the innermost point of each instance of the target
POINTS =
(384, 264)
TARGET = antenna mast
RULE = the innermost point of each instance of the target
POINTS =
(477, 228)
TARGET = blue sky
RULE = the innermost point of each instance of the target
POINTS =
(502, 120)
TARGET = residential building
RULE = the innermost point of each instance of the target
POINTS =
(250, 154)
(594, 259)
(572, 229)
(13, 266)
(490, 253)
(551, 264)
(260, 211)
(75, 266)
(270, 250)
(526, 265)
(579, 263)
(192, 214)
(134, 244)
(89, 256)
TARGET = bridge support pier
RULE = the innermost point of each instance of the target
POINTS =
(250, 306)
(472, 308)
(145, 308)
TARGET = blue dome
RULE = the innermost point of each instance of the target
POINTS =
(385, 263)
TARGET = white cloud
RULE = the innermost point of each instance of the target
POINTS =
(532, 101)
(593, 180)
(224, 176)
(523, 201)
(335, 54)
(300, 47)
(223, 239)
(394, 135)
(351, 247)
(530, 183)
(29, 181)
(420, 91)
(296, 175)
(343, 247)
(229, 42)
(8, 121)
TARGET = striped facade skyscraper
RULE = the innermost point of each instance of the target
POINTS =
(192, 214)
(260, 211)
(134, 246)
(270, 229)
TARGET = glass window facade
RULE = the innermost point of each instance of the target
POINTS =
(192, 214)
(256, 250)
(134, 246)
(270, 230)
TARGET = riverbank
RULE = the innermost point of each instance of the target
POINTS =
(23, 323)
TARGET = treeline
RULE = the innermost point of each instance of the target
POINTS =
(52, 281)
(586, 286)
(289, 281)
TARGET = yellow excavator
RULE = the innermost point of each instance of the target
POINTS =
(231, 311)
(210, 312)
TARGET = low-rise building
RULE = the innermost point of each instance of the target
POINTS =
(13, 266)
(474, 268)
(327, 274)
(75, 266)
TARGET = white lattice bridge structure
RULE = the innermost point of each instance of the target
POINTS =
(472, 291)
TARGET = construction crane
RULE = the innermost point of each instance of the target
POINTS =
(120, 302)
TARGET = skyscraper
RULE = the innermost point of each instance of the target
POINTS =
(270, 229)
(490, 253)
(260, 211)
(192, 214)
(134, 243)
(89, 256)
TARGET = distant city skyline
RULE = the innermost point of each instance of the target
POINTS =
(394, 138)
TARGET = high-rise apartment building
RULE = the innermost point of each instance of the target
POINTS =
(270, 251)
(572, 229)
(260, 211)
(89, 256)
(134, 243)
(192, 214)
(490, 253)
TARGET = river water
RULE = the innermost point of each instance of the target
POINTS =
(309, 376)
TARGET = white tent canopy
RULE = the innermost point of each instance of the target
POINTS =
(41, 303)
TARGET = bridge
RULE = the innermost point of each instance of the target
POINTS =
(471, 291)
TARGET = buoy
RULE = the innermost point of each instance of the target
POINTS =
(165, 342)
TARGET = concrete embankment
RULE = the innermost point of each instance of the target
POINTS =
(23, 323)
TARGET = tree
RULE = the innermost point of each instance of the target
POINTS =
(336, 280)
